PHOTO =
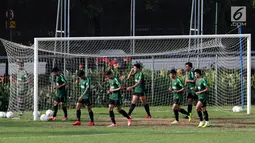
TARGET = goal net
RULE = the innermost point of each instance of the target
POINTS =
(224, 60)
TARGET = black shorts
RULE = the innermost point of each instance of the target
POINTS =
(116, 103)
(139, 93)
(177, 101)
(60, 99)
(192, 96)
(21, 94)
(86, 102)
(203, 101)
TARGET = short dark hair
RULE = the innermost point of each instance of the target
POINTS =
(109, 73)
(198, 71)
(55, 69)
(173, 71)
(189, 64)
(81, 73)
(137, 65)
(20, 62)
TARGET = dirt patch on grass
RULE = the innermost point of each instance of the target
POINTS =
(159, 123)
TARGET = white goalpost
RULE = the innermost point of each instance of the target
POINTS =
(224, 59)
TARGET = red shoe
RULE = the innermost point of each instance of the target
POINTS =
(52, 119)
(76, 123)
(148, 117)
(64, 118)
(129, 122)
(91, 124)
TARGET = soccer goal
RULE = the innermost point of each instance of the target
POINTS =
(224, 59)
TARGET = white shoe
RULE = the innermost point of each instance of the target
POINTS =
(112, 125)
(175, 122)
(201, 124)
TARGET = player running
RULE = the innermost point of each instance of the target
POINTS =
(190, 83)
(115, 99)
(139, 91)
(60, 98)
(177, 88)
(202, 90)
(84, 99)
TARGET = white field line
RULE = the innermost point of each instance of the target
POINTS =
(37, 137)
(109, 134)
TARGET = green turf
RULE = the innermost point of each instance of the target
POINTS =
(226, 127)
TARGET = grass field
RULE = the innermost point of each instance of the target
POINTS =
(226, 127)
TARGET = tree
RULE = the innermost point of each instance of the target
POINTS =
(92, 9)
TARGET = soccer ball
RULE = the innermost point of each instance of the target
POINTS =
(44, 117)
(49, 113)
(9, 114)
(237, 109)
(38, 113)
(2, 115)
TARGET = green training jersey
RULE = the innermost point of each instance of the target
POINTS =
(21, 79)
(190, 76)
(139, 77)
(177, 85)
(84, 85)
(201, 85)
(60, 79)
(114, 84)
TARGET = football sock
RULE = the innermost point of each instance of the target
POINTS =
(78, 114)
(176, 115)
(147, 109)
(199, 113)
(190, 108)
(65, 111)
(112, 117)
(91, 116)
(124, 113)
(55, 109)
(184, 112)
(206, 116)
(132, 107)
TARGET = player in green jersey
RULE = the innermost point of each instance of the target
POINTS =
(84, 99)
(77, 77)
(61, 94)
(21, 81)
(115, 98)
(190, 80)
(139, 89)
(177, 88)
(202, 90)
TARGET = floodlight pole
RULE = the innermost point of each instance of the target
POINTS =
(196, 27)
(132, 25)
(63, 22)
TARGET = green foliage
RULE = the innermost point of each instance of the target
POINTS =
(92, 11)
(4, 96)
(253, 81)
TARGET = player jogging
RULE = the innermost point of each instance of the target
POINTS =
(202, 90)
(84, 99)
(190, 83)
(139, 91)
(177, 88)
(61, 95)
(115, 99)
